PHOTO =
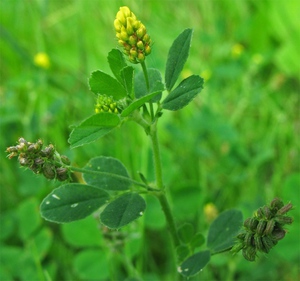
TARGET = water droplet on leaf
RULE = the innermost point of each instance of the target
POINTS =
(74, 205)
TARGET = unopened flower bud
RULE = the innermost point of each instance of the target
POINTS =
(49, 171)
(278, 234)
(62, 174)
(284, 209)
(140, 45)
(141, 31)
(65, 159)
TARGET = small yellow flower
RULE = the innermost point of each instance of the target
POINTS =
(210, 211)
(237, 50)
(42, 60)
(132, 35)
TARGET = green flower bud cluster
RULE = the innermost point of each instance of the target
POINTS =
(132, 35)
(263, 230)
(46, 161)
(107, 104)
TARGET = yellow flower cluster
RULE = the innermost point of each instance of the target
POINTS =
(132, 35)
(106, 104)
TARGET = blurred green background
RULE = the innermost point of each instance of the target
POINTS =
(234, 146)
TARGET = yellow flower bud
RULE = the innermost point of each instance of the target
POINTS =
(147, 50)
(120, 16)
(125, 11)
(132, 40)
(146, 38)
(117, 25)
(141, 31)
(129, 27)
(141, 57)
(140, 45)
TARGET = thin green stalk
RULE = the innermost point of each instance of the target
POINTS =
(143, 64)
(159, 182)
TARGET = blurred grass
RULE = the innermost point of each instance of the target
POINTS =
(236, 145)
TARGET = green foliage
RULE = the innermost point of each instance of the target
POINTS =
(93, 128)
(111, 176)
(102, 83)
(72, 202)
(222, 232)
(183, 93)
(194, 264)
(235, 145)
(123, 210)
(177, 57)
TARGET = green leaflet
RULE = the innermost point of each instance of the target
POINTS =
(116, 63)
(71, 202)
(155, 84)
(123, 210)
(184, 93)
(104, 84)
(113, 171)
(194, 264)
(93, 128)
(139, 102)
(223, 230)
(177, 57)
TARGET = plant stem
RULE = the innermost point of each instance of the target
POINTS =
(143, 64)
(159, 182)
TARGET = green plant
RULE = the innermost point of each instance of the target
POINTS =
(136, 97)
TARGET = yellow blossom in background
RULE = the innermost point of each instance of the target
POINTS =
(42, 60)
(257, 58)
(237, 50)
(210, 211)
(206, 74)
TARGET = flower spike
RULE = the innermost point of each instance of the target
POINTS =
(132, 35)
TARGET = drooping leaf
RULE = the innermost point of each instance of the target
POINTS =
(113, 174)
(183, 93)
(223, 230)
(93, 128)
(116, 63)
(71, 202)
(155, 84)
(123, 210)
(127, 79)
(194, 264)
(139, 102)
(102, 83)
(177, 57)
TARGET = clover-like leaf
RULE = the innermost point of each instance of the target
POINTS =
(123, 210)
(177, 57)
(71, 202)
(93, 128)
(116, 62)
(110, 174)
(104, 84)
(223, 230)
(194, 264)
(184, 93)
